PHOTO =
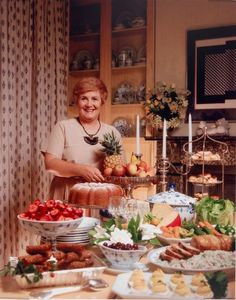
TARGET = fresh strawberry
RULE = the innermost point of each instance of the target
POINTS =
(37, 202)
(46, 218)
(33, 208)
(50, 203)
(55, 213)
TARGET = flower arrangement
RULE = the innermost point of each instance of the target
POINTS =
(134, 232)
(165, 102)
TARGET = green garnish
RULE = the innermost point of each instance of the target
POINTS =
(22, 270)
(218, 282)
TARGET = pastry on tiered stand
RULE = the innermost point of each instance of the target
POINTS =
(205, 155)
(206, 179)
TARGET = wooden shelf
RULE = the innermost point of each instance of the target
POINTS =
(128, 68)
(129, 31)
(84, 72)
(84, 36)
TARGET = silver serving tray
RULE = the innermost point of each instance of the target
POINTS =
(64, 277)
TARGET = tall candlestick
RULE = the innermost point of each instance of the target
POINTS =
(190, 134)
(137, 135)
(164, 140)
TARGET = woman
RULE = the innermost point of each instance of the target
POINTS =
(73, 152)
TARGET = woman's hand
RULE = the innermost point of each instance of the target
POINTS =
(90, 174)
(63, 168)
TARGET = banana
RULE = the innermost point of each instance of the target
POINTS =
(134, 159)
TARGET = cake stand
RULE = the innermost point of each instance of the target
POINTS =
(129, 183)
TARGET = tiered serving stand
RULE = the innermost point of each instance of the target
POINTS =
(128, 183)
(164, 164)
(222, 150)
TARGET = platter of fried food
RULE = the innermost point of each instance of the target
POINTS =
(157, 284)
(69, 264)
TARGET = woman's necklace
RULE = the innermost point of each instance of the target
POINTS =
(90, 139)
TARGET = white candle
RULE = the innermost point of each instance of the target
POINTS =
(137, 135)
(164, 140)
(190, 134)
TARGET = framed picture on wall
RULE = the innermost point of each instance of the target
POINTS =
(211, 72)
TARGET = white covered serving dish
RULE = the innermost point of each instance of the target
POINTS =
(182, 203)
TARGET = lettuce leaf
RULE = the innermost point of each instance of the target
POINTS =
(215, 211)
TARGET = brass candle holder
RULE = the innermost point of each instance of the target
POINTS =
(164, 165)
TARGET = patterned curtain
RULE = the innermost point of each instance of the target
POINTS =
(33, 92)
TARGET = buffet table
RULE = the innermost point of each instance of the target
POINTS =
(10, 290)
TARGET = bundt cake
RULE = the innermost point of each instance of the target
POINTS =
(93, 194)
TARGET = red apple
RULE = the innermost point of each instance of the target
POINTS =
(131, 169)
(119, 170)
(142, 165)
(107, 171)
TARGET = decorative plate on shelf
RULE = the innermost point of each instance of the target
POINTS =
(125, 18)
(125, 94)
(82, 56)
(122, 125)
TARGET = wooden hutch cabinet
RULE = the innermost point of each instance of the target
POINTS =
(114, 40)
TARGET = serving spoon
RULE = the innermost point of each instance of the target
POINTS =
(93, 283)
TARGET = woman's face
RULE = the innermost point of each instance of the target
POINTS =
(89, 105)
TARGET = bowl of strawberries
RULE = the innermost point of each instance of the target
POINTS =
(50, 218)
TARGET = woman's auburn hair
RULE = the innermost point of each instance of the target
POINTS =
(88, 84)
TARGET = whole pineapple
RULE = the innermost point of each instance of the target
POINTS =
(112, 149)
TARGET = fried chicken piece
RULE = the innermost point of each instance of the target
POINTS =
(67, 247)
(33, 259)
(68, 259)
(39, 249)
(59, 255)
(80, 264)
(71, 256)
(85, 255)
(62, 264)
(46, 266)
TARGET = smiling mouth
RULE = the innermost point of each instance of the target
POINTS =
(89, 110)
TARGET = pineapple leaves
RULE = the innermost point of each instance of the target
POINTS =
(111, 145)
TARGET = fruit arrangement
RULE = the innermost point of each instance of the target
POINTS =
(51, 210)
(113, 164)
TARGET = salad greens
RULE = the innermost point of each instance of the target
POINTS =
(215, 211)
